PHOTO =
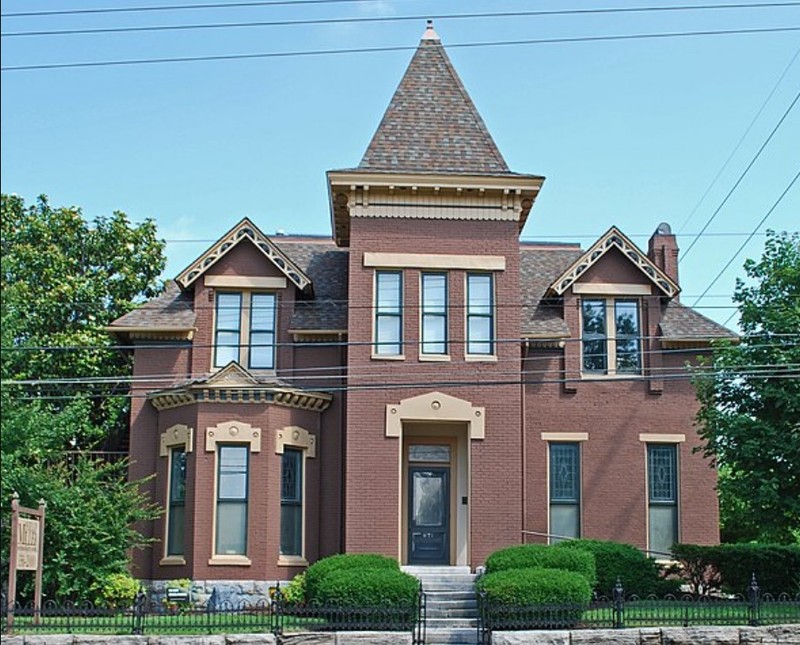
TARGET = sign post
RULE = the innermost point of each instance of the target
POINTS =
(26, 553)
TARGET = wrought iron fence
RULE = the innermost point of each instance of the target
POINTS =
(620, 611)
(276, 616)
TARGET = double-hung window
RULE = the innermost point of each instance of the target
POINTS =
(565, 491)
(232, 495)
(176, 520)
(480, 314)
(245, 329)
(292, 502)
(388, 313)
(662, 489)
(434, 314)
(611, 340)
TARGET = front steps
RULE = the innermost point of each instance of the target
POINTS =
(452, 607)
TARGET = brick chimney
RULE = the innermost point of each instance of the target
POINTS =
(663, 251)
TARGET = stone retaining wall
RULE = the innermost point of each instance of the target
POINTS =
(305, 638)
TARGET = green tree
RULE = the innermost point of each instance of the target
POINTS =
(63, 384)
(749, 417)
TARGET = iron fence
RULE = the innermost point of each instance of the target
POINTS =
(621, 611)
(276, 616)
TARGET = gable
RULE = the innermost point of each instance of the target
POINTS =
(614, 268)
(615, 240)
(244, 231)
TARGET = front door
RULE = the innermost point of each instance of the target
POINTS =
(429, 515)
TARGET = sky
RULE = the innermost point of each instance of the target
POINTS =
(628, 132)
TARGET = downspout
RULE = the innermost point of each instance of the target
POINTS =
(523, 442)
(342, 442)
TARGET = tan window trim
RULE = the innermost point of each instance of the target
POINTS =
(648, 437)
(175, 436)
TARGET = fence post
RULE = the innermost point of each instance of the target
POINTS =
(211, 607)
(619, 605)
(277, 613)
(484, 629)
(139, 610)
(754, 602)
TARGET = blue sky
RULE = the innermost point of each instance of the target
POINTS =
(629, 133)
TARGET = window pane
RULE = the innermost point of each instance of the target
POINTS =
(594, 317)
(229, 310)
(564, 521)
(594, 355)
(429, 503)
(479, 332)
(262, 312)
(434, 293)
(626, 315)
(628, 356)
(387, 335)
(231, 528)
(291, 476)
(479, 293)
(437, 453)
(291, 530)
(662, 474)
(564, 472)
(433, 334)
(388, 296)
(177, 479)
(663, 528)
(175, 529)
(232, 472)
(262, 350)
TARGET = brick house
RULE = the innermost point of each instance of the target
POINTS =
(421, 384)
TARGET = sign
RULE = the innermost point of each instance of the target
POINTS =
(27, 544)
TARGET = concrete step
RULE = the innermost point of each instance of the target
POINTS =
(451, 612)
(452, 623)
(449, 603)
(449, 595)
(452, 636)
(435, 570)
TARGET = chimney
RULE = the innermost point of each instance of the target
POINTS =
(663, 251)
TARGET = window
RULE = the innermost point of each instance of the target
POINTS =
(177, 502)
(611, 338)
(388, 313)
(662, 485)
(565, 491)
(434, 313)
(480, 314)
(292, 502)
(232, 485)
(245, 330)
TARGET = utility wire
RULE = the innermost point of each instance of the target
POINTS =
(741, 248)
(380, 19)
(738, 144)
(742, 176)
(399, 48)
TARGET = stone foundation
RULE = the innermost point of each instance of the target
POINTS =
(235, 592)
(306, 638)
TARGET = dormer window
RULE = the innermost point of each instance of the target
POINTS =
(611, 340)
(245, 329)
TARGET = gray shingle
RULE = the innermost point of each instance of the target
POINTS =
(681, 322)
(538, 268)
(172, 309)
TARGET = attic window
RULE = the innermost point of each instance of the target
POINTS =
(611, 339)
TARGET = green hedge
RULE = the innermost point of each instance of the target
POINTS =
(524, 598)
(318, 571)
(358, 588)
(639, 574)
(731, 566)
(539, 556)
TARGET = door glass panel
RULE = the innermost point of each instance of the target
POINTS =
(435, 453)
(429, 502)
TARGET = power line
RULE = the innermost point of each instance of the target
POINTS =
(741, 248)
(380, 19)
(739, 143)
(743, 175)
(399, 48)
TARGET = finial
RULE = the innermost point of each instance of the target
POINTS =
(430, 32)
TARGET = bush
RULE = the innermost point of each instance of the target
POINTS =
(116, 590)
(640, 575)
(318, 571)
(524, 598)
(295, 592)
(538, 556)
(363, 587)
(731, 566)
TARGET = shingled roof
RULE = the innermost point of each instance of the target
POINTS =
(431, 124)
(172, 309)
(542, 316)
(679, 322)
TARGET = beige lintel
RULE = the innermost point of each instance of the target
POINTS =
(612, 289)
(430, 261)
(480, 358)
(651, 437)
(230, 561)
(245, 282)
(565, 436)
(316, 332)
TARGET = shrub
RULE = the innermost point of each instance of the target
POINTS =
(116, 590)
(731, 566)
(295, 592)
(525, 598)
(363, 587)
(538, 556)
(640, 575)
(322, 568)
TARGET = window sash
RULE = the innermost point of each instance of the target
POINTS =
(388, 313)
(595, 338)
(262, 331)
(177, 502)
(292, 502)
(610, 336)
(626, 332)
(227, 335)
(480, 314)
(233, 465)
(434, 313)
(564, 473)
(662, 485)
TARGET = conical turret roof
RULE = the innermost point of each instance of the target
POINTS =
(431, 124)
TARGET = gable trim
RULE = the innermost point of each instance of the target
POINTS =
(249, 231)
(614, 238)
